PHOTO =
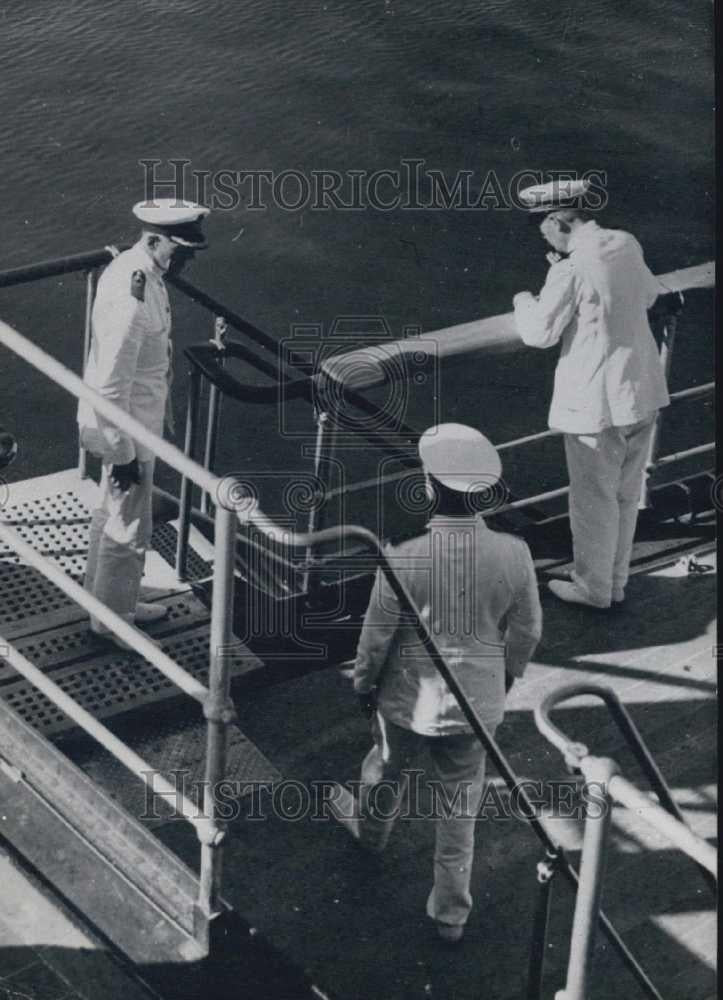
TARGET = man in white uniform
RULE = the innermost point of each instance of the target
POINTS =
(129, 364)
(477, 592)
(609, 383)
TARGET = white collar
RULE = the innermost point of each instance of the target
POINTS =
(582, 233)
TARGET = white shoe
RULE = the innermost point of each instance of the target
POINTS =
(572, 594)
(146, 614)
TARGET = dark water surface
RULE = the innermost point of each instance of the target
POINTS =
(90, 89)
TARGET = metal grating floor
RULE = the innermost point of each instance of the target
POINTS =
(177, 751)
(106, 682)
(55, 525)
(52, 513)
(164, 541)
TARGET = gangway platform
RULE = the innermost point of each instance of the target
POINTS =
(53, 514)
(358, 921)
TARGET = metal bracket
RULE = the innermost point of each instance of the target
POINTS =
(220, 710)
(693, 566)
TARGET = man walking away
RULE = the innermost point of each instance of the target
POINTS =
(477, 593)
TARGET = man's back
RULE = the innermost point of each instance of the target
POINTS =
(477, 593)
(595, 303)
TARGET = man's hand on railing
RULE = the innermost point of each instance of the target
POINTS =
(670, 304)
(124, 476)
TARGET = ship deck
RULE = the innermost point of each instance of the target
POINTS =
(356, 922)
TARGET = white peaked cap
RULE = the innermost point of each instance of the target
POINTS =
(169, 211)
(460, 457)
(553, 195)
(179, 220)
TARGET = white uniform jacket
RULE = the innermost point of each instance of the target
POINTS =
(595, 301)
(129, 360)
(477, 592)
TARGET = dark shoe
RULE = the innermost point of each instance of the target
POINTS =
(451, 933)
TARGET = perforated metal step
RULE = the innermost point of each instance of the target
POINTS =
(30, 603)
(52, 513)
(164, 541)
(55, 525)
(66, 644)
(114, 682)
(178, 753)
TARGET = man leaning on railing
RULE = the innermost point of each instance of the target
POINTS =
(609, 383)
(129, 365)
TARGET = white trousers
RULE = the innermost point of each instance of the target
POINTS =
(120, 533)
(459, 768)
(606, 474)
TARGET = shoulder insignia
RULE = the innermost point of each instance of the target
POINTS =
(138, 285)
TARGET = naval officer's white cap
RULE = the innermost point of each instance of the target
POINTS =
(179, 220)
(460, 457)
(554, 195)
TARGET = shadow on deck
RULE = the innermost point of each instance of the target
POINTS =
(358, 923)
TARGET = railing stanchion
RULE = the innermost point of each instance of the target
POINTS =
(90, 277)
(220, 329)
(666, 359)
(546, 870)
(219, 712)
(184, 504)
(309, 580)
(598, 770)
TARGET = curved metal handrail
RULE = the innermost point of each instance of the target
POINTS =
(603, 774)
(209, 359)
(575, 752)
(233, 496)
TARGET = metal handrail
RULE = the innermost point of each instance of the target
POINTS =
(57, 265)
(604, 774)
(376, 364)
(497, 332)
(111, 619)
(217, 707)
(575, 752)
(64, 377)
(246, 508)
(205, 826)
(679, 834)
